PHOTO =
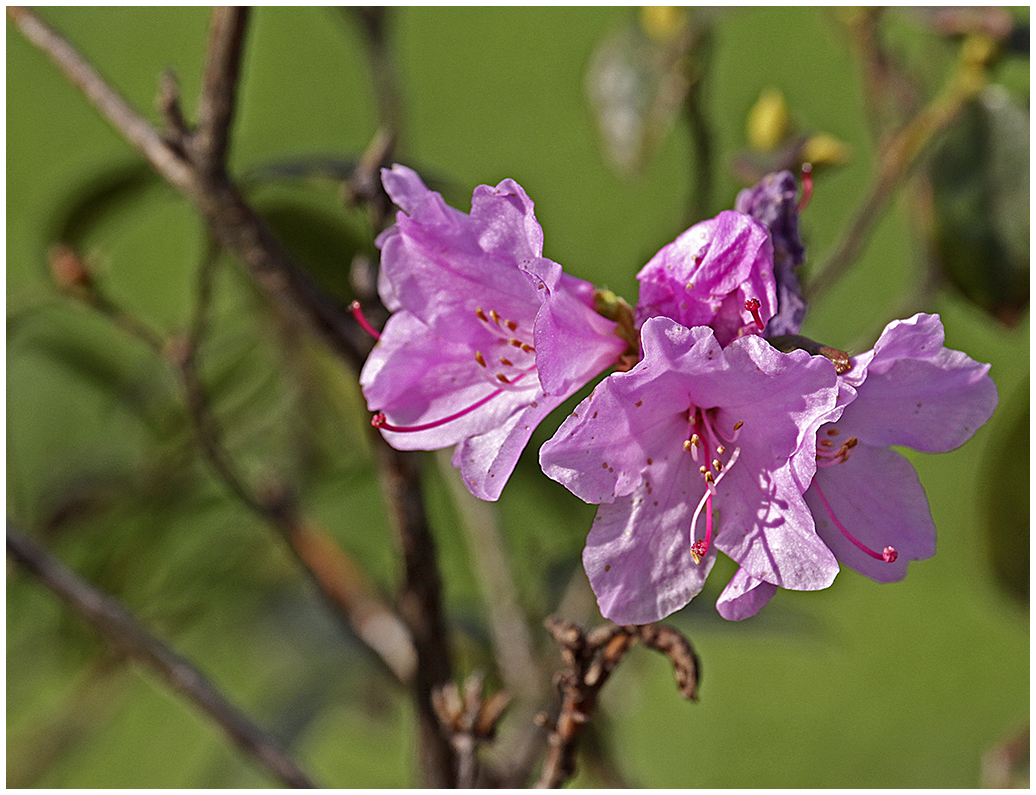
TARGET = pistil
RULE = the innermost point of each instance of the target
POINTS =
(888, 554)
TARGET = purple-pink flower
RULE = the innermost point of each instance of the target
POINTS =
(869, 506)
(718, 273)
(694, 428)
(487, 336)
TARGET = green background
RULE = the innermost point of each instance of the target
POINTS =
(861, 685)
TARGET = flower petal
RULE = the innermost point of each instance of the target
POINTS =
(705, 276)
(487, 460)
(918, 393)
(416, 377)
(638, 551)
(744, 596)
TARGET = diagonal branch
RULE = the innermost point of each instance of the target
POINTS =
(234, 224)
(122, 631)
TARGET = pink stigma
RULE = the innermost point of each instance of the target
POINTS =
(807, 186)
(888, 554)
(357, 311)
(752, 305)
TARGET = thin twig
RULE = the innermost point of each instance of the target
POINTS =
(237, 227)
(211, 138)
(124, 633)
(590, 658)
(894, 163)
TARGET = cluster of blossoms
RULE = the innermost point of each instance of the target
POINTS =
(720, 427)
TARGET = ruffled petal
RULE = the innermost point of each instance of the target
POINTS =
(487, 460)
(417, 377)
(918, 393)
(744, 596)
(705, 276)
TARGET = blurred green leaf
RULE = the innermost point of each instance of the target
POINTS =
(980, 183)
(91, 202)
(1006, 494)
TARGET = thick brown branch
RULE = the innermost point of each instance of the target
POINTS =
(122, 631)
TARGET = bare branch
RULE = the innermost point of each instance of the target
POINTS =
(420, 604)
(122, 631)
(237, 227)
(211, 139)
(590, 659)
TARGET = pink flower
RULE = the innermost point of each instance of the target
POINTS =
(869, 506)
(719, 273)
(692, 428)
(487, 336)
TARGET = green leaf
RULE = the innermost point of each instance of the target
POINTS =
(1006, 494)
(980, 182)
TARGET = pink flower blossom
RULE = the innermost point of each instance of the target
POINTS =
(693, 428)
(487, 336)
(868, 504)
(718, 273)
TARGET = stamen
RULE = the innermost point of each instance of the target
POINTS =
(888, 554)
(716, 463)
(752, 305)
(357, 311)
(506, 362)
(807, 186)
(481, 314)
(496, 318)
(380, 421)
(479, 358)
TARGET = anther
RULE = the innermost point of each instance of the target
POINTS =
(703, 469)
(737, 425)
(512, 325)
(752, 305)
(479, 358)
(506, 362)
(496, 317)
(357, 312)
(503, 378)
(481, 315)
(687, 445)
(717, 464)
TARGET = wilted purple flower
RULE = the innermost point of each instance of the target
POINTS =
(718, 273)
(487, 336)
(691, 428)
(869, 506)
(773, 203)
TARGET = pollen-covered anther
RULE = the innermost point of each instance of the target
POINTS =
(717, 464)
(502, 378)
(480, 359)
(481, 314)
(506, 362)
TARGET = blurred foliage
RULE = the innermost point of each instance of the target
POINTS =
(904, 685)
(980, 188)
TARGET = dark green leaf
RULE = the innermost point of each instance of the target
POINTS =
(980, 182)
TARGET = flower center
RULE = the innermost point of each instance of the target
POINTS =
(828, 455)
(705, 440)
(508, 361)
(510, 355)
